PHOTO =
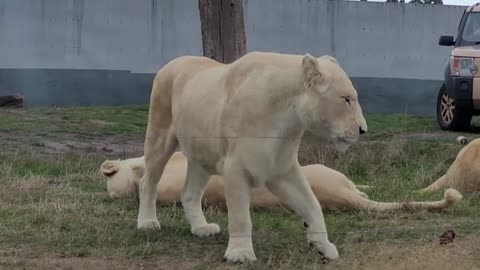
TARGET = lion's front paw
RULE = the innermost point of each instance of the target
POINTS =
(243, 255)
(206, 230)
(148, 224)
(328, 250)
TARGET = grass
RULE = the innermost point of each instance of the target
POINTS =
(55, 213)
(82, 120)
(133, 120)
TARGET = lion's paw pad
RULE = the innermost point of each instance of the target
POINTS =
(242, 255)
(206, 230)
(148, 224)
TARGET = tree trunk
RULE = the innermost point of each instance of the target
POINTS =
(223, 29)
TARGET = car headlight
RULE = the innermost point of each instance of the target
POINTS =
(463, 66)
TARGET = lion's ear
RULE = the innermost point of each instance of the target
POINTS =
(138, 170)
(109, 168)
(313, 77)
(330, 58)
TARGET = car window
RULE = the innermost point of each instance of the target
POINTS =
(471, 31)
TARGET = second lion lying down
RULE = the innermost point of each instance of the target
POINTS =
(332, 188)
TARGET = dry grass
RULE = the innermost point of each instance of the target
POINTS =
(411, 164)
(408, 256)
(55, 214)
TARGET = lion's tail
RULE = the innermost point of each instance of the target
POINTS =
(159, 138)
(450, 198)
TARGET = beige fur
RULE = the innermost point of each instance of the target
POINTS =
(332, 188)
(244, 121)
(464, 173)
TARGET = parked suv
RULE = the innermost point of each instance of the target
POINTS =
(459, 96)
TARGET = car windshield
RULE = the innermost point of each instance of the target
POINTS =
(471, 31)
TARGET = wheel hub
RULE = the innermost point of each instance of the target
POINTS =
(447, 108)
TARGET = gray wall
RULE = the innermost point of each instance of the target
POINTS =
(101, 52)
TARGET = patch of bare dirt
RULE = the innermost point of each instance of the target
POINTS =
(428, 135)
(17, 260)
(65, 143)
(35, 257)
(431, 135)
(111, 145)
(439, 135)
(462, 254)
(100, 123)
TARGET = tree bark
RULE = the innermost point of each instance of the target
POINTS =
(223, 29)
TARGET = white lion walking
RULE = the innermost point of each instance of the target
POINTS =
(245, 121)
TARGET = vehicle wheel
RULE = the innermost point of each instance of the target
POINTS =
(451, 116)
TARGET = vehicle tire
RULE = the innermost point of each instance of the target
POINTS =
(452, 116)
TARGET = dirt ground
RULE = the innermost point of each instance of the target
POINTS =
(114, 145)
(35, 259)
(124, 145)
(387, 256)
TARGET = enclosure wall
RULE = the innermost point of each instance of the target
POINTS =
(101, 52)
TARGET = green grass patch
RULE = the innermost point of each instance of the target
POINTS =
(79, 120)
(52, 166)
(110, 120)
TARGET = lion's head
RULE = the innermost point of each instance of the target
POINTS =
(123, 176)
(328, 106)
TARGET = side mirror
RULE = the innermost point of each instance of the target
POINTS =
(446, 41)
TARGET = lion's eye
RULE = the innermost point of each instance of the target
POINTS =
(347, 99)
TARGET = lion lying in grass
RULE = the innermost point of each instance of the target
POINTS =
(332, 188)
(463, 174)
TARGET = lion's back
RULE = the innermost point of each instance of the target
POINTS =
(193, 73)
(464, 172)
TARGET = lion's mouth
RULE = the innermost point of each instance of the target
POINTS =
(345, 140)
(111, 173)
(342, 144)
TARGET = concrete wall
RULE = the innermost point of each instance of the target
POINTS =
(101, 52)
(389, 49)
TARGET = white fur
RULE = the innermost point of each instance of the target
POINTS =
(463, 174)
(244, 121)
(331, 188)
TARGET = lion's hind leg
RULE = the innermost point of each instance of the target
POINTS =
(193, 190)
(294, 190)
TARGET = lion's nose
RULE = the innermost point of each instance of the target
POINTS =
(361, 130)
